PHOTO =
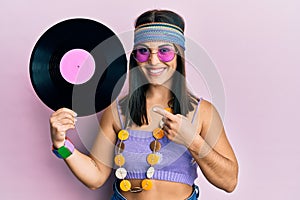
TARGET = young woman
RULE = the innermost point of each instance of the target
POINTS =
(155, 137)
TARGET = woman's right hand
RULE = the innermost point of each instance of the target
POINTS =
(60, 121)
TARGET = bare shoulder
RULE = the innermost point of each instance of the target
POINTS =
(206, 106)
(207, 116)
(207, 110)
(109, 119)
(204, 109)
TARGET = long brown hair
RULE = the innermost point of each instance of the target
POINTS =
(135, 103)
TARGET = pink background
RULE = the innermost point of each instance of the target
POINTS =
(255, 46)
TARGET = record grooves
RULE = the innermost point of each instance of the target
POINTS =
(77, 64)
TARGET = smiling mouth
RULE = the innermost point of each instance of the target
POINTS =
(155, 72)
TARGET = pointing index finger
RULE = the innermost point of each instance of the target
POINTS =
(163, 113)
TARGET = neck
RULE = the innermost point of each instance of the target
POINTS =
(159, 93)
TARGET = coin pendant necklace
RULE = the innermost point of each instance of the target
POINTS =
(152, 159)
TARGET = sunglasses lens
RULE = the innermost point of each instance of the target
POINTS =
(141, 54)
(166, 54)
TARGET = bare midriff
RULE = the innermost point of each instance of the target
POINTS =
(160, 190)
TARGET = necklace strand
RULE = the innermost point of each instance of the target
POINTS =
(152, 159)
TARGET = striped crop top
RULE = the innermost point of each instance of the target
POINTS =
(176, 164)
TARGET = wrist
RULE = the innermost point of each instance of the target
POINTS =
(196, 144)
(65, 150)
(57, 145)
(200, 147)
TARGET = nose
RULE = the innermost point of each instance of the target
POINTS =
(153, 58)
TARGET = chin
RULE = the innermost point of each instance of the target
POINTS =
(155, 83)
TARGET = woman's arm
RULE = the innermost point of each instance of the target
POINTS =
(92, 170)
(212, 150)
(207, 142)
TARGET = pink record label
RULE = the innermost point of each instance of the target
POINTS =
(77, 66)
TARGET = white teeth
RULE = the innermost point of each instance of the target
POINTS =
(156, 71)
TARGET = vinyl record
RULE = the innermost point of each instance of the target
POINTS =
(79, 64)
